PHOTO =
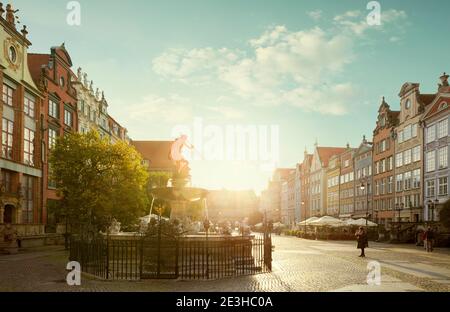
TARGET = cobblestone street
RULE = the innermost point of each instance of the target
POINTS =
(299, 265)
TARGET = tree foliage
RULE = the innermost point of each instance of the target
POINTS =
(444, 214)
(98, 180)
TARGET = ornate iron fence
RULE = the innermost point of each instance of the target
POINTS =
(140, 257)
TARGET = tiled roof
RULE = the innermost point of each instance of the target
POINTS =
(426, 98)
(325, 153)
(156, 152)
(35, 63)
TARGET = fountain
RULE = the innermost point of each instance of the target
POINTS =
(177, 247)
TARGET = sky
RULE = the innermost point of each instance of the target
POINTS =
(289, 72)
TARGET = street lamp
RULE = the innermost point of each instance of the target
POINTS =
(364, 186)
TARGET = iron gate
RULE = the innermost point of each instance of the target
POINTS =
(144, 257)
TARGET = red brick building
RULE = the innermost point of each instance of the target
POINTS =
(383, 164)
(20, 110)
(305, 170)
(53, 75)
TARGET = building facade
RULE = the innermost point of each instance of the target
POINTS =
(298, 194)
(333, 173)
(436, 152)
(318, 178)
(383, 164)
(89, 104)
(53, 76)
(408, 154)
(20, 162)
(346, 184)
(305, 190)
(363, 181)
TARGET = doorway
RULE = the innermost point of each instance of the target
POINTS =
(8, 214)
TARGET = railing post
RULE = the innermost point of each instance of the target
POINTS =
(141, 257)
(107, 256)
(176, 257)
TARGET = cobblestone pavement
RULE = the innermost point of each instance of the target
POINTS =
(299, 265)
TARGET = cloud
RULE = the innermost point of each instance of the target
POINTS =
(280, 67)
(172, 109)
(315, 15)
(227, 112)
(324, 99)
(183, 65)
(356, 21)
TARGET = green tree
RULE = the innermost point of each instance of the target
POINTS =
(444, 214)
(98, 181)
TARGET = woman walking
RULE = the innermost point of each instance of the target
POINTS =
(361, 237)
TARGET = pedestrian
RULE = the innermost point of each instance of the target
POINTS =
(361, 237)
(424, 239)
(430, 239)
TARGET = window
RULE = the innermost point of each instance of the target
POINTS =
(12, 54)
(443, 186)
(407, 201)
(389, 184)
(416, 153)
(8, 94)
(416, 178)
(28, 105)
(62, 82)
(408, 104)
(431, 134)
(347, 163)
(430, 188)
(53, 109)
(431, 161)
(407, 180)
(28, 200)
(400, 136)
(6, 180)
(407, 131)
(52, 135)
(67, 117)
(443, 128)
(399, 182)
(407, 157)
(376, 167)
(383, 165)
(377, 187)
(390, 163)
(399, 160)
(443, 157)
(383, 187)
(370, 170)
(7, 138)
(28, 149)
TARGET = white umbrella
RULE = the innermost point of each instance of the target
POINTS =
(360, 222)
(308, 221)
(327, 220)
